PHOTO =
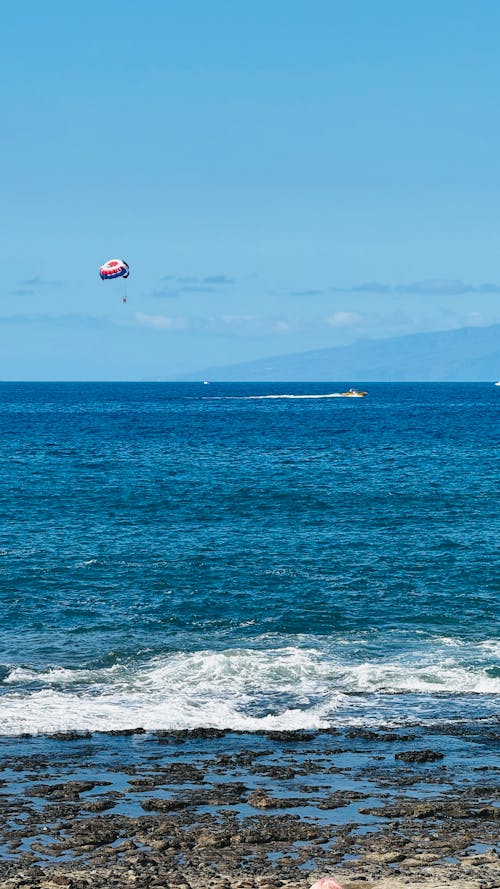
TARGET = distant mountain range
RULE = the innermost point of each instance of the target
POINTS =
(468, 354)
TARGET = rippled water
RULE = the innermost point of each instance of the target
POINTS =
(175, 555)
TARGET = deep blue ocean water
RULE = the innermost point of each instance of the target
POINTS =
(182, 555)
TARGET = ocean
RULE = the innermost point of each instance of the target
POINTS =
(234, 556)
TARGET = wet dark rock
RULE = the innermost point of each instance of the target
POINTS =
(278, 772)
(243, 759)
(419, 756)
(439, 809)
(341, 798)
(124, 769)
(69, 790)
(125, 732)
(142, 784)
(295, 737)
(275, 828)
(260, 799)
(195, 733)
(226, 794)
(70, 736)
(164, 805)
(367, 734)
(395, 736)
(98, 805)
(181, 773)
(210, 838)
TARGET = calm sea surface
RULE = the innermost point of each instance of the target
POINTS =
(182, 555)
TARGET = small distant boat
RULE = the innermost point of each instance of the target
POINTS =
(497, 384)
(353, 393)
(205, 382)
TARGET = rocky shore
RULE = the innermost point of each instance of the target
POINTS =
(374, 808)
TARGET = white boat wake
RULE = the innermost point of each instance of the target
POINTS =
(327, 395)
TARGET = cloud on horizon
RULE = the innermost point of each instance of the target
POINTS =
(364, 287)
(67, 320)
(177, 284)
(29, 286)
(344, 319)
(238, 325)
(172, 292)
(173, 286)
(219, 279)
(161, 322)
(436, 287)
(424, 287)
(38, 281)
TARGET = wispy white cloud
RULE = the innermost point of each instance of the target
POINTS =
(454, 320)
(161, 322)
(255, 325)
(236, 325)
(344, 319)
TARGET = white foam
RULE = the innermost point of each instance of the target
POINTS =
(291, 687)
(491, 645)
(327, 395)
(396, 678)
(55, 676)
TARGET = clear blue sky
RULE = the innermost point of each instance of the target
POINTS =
(280, 176)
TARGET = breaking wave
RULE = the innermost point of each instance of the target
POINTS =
(245, 689)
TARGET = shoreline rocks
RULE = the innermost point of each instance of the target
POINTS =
(225, 810)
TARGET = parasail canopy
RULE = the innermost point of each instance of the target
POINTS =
(114, 268)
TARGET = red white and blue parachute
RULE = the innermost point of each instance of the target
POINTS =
(114, 268)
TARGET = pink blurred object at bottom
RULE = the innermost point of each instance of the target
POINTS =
(326, 883)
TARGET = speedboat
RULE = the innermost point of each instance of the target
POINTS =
(353, 393)
(497, 384)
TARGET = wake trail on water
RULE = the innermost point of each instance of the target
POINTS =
(264, 397)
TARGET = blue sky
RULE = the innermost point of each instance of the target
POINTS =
(280, 176)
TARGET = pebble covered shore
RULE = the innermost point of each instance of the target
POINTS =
(374, 808)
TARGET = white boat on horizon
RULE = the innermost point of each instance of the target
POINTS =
(353, 393)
